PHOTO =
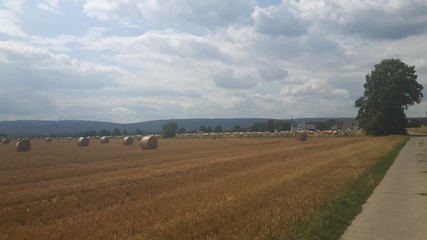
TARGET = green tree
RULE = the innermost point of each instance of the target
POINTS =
(202, 128)
(181, 130)
(116, 132)
(169, 129)
(270, 125)
(105, 132)
(88, 133)
(218, 129)
(389, 90)
(282, 125)
(236, 128)
(125, 132)
(139, 131)
(209, 129)
(325, 125)
(257, 127)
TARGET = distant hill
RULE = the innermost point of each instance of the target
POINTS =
(71, 127)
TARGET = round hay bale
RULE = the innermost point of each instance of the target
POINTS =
(138, 137)
(127, 140)
(48, 139)
(69, 138)
(83, 142)
(301, 136)
(6, 140)
(23, 145)
(149, 142)
(105, 139)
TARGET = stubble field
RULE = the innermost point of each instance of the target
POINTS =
(228, 188)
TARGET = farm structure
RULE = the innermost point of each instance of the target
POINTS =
(190, 188)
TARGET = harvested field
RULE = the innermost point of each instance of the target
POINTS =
(422, 130)
(186, 189)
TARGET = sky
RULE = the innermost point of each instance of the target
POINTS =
(129, 61)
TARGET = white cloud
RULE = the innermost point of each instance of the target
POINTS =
(43, 69)
(10, 18)
(313, 88)
(49, 5)
(13, 5)
(120, 110)
(142, 60)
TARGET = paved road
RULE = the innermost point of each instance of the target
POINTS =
(397, 209)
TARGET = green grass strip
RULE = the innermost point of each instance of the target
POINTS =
(334, 217)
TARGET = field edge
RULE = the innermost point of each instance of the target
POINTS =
(335, 216)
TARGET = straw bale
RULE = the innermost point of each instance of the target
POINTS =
(83, 142)
(128, 140)
(105, 139)
(23, 145)
(149, 143)
(301, 136)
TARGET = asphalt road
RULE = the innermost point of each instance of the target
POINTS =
(398, 207)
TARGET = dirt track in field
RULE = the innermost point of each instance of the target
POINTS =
(186, 189)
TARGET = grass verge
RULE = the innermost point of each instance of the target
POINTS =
(335, 216)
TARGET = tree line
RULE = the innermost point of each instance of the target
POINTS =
(106, 132)
(170, 129)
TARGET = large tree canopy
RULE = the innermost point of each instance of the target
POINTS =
(389, 90)
(169, 129)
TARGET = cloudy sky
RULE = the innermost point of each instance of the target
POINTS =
(137, 60)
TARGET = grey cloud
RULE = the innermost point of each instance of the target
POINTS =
(86, 112)
(316, 43)
(51, 79)
(205, 14)
(227, 79)
(190, 48)
(158, 44)
(41, 70)
(273, 74)
(309, 50)
(277, 48)
(379, 23)
(213, 13)
(148, 91)
(279, 21)
(24, 101)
